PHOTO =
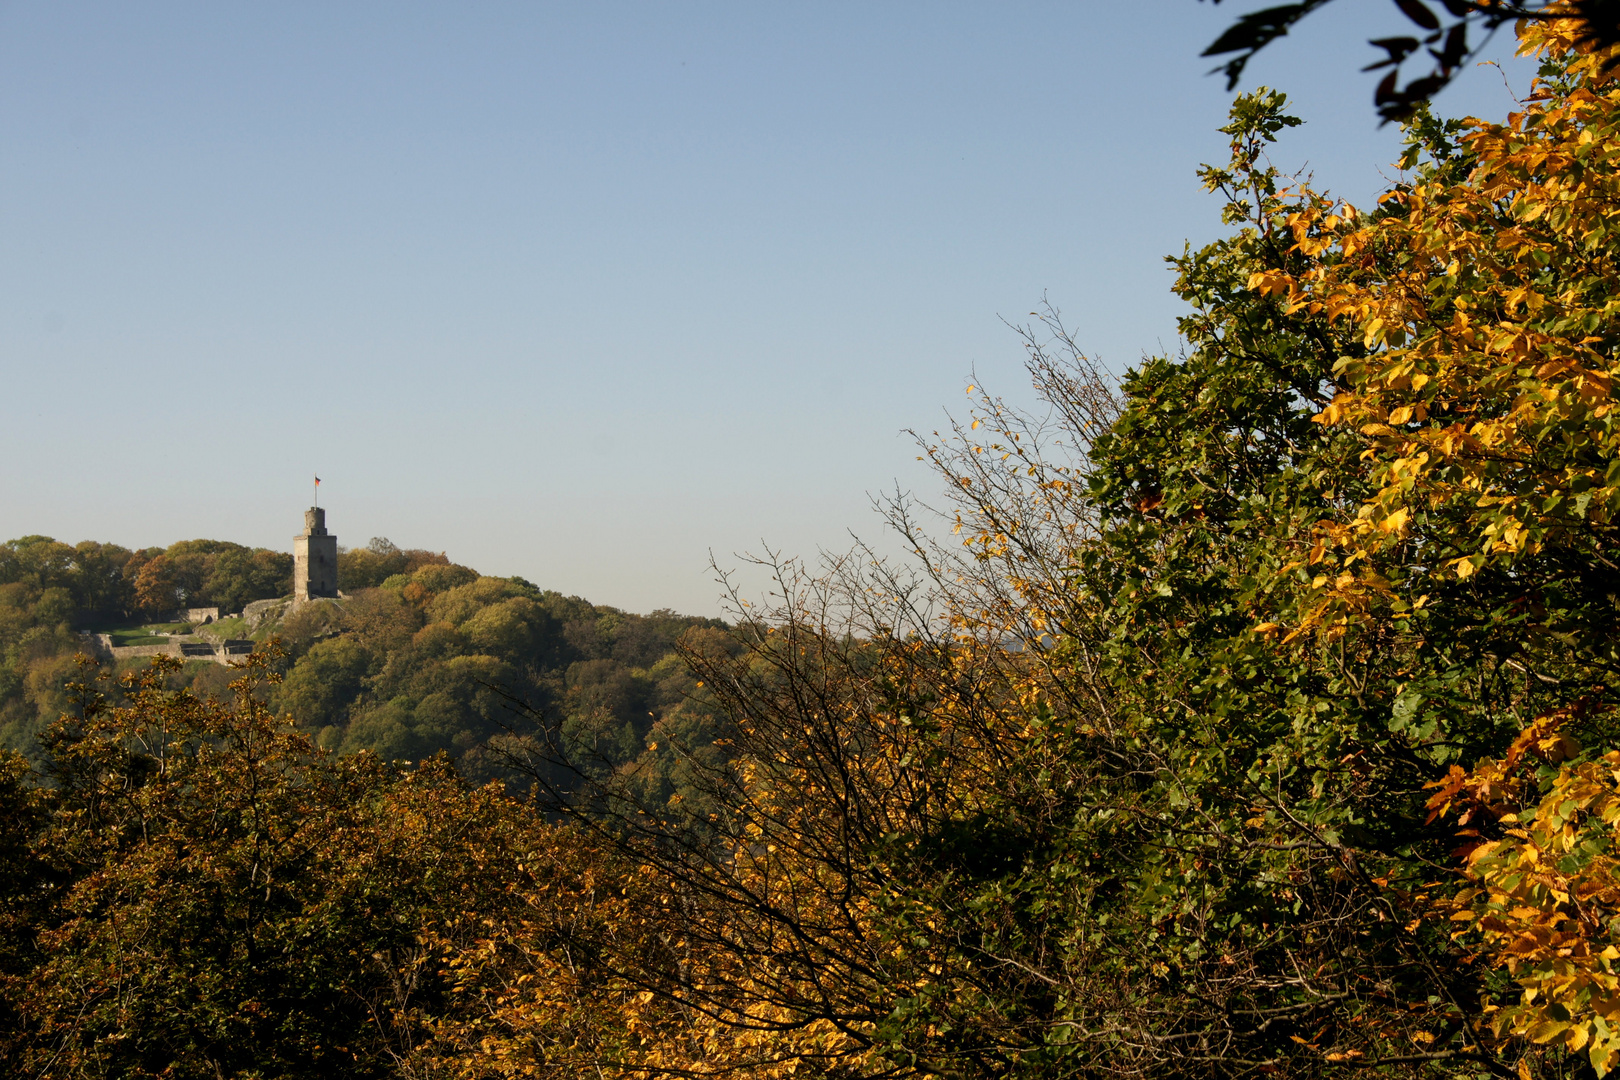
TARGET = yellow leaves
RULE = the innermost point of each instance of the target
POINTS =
(1516, 384)
(1541, 898)
(1396, 523)
(1337, 410)
(1547, 1030)
(1454, 784)
(1270, 282)
(1593, 386)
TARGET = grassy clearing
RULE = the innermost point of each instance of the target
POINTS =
(122, 639)
(233, 627)
(150, 634)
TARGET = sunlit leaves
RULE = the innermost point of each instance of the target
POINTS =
(1543, 900)
(1487, 299)
(1483, 292)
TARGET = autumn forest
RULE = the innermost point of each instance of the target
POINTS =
(1254, 713)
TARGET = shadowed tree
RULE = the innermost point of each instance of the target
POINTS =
(1448, 34)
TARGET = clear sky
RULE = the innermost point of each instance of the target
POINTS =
(582, 292)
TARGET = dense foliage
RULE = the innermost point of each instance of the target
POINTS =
(201, 892)
(418, 656)
(50, 591)
(443, 659)
(1255, 718)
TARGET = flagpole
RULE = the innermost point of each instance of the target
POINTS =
(317, 493)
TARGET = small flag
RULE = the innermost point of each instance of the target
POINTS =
(317, 480)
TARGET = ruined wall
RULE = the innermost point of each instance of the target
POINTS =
(181, 647)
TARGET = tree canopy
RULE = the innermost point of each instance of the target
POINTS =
(50, 592)
(1250, 715)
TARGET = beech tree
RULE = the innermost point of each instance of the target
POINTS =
(200, 893)
(1152, 772)
(1484, 295)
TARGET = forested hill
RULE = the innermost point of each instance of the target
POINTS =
(421, 655)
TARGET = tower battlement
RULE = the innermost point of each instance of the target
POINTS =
(314, 558)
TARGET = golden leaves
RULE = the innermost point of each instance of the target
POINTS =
(1542, 897)
(1396, 523)
(1485, 307)
(1270, 282)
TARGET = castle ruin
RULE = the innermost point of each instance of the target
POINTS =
(314, 558)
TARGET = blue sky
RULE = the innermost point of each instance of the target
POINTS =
(585, 292)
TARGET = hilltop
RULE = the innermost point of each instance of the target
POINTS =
(416, 655)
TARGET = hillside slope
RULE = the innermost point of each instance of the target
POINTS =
(419, 656)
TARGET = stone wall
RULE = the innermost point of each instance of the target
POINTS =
(260, 612)
(181, 647)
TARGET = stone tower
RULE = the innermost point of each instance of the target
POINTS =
(314, 558)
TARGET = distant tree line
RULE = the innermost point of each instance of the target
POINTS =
(422, 656)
